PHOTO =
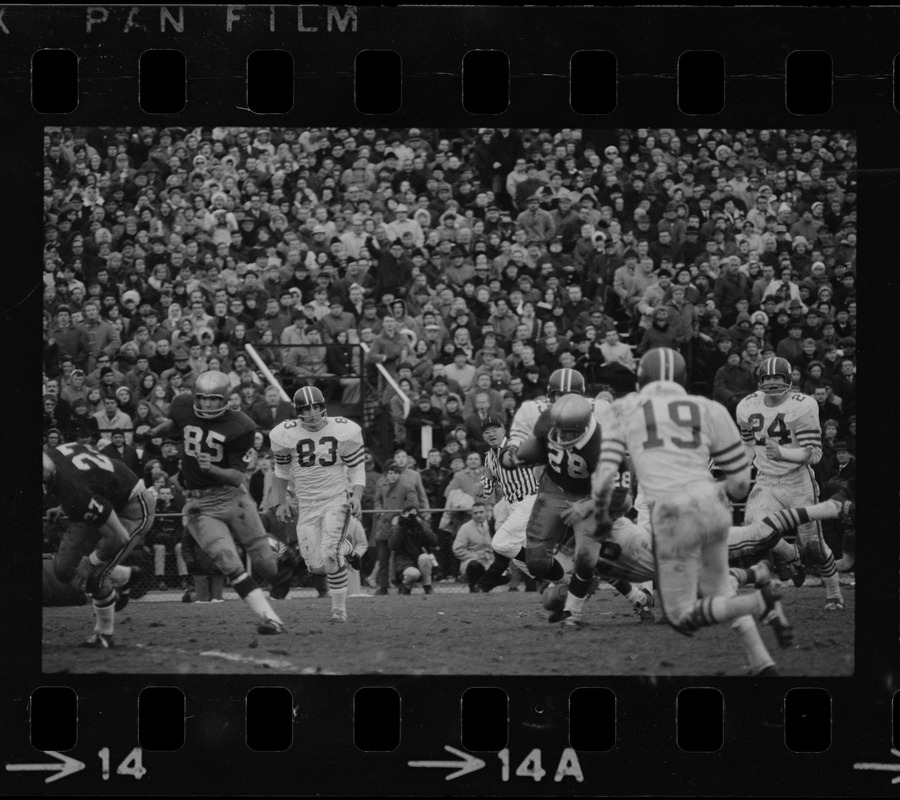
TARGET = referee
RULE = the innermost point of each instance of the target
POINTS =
(519, 489)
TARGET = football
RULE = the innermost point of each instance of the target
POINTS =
(553, 597)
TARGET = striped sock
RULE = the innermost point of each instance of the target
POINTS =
(337, 588)
(787, 519)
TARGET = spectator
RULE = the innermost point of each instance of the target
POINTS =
(733, 382)
(412, 543)
(112, 418)
(472, 546)
(390, 496)
(121, 451)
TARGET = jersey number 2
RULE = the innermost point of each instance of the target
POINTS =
(777, 429)
(576, 466)
(84, 461)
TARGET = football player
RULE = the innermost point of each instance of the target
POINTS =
(780, 428)
(527, 425)
(109, 508)
(325, 457)
(219, 506)
(671, 436)
(566, 440)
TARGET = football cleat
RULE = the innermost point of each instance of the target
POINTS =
(270, 627)
(354, 560)
(338, 615)
(428, 588)
(124, 591)
(835, 604)
(643, 606)
(487, 584)
(99, 641)
(768, 672)
(774, 615)
(798, 572)
(572, 619)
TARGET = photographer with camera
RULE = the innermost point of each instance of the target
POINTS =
(412, 541)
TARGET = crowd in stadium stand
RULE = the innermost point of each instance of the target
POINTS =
(470, 262)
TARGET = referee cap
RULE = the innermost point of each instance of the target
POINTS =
(491, 422)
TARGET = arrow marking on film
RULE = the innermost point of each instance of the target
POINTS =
(464, 767)
(882, 767)
(67, 766)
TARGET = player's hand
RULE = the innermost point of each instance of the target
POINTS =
(773, 451)
(508, 458)
(355, 507)
(204, 461)
(577, 510)
(283, 512)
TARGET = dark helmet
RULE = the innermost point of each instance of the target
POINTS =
(774, 377)
(565, 381)
(570, 417)
(309, 406)
(662, 364)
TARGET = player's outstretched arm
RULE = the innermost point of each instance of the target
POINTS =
(165, 428)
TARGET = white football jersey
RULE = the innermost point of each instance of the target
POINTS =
(671, 436)
(793, 423)
(323, 463)
(525, 419)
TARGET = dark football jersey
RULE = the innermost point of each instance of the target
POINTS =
(83, 474)
(226, 439)
(571, 469)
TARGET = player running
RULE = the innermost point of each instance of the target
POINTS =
(780, 429)
(547, 528)
(110, 509)
(671, 436)
(219, 505)
(325, 457)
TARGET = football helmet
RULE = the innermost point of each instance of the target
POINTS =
(662, 364)
(211, 385)
(565, 381)
(774, 377)
(570, 417)
(309, 406)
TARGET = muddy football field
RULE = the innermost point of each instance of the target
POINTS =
(446, 633)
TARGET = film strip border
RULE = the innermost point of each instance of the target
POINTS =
(485, 80)
(409, 62)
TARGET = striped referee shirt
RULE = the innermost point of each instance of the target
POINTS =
(516, 484)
